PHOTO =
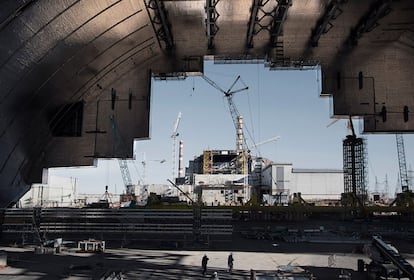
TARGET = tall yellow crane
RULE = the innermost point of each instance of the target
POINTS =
(241, 143)
(235, 115)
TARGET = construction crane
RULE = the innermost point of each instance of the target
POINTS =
(275, 138)
(126, 177)
(241, 144)
(402, 163)
(174, 142)
(235, 115)
(406, 197)
(123, 164)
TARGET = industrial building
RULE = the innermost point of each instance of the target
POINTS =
(222, 189)
(219, 181)
(220, 177)
(314, 185)
(165, 192)
(58, 192)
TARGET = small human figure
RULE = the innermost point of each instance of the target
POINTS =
(230, 261)
(204, 261)
(331, 261)
(252, 274)
(215, 276)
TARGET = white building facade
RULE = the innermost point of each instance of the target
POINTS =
(58, 192)
(281, 179)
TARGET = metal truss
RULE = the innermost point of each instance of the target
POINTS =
(172, 76)
(159, 20)
(274, 26)
(279, 18)
(355, 168)
(291, 64)
(211, 21)
(402, 163)
(324, 24)
(369, 22)
(256, 6)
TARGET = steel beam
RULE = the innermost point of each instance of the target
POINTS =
(159, 20)
(391, 254)
(369, 22)
(324, 24)
(257, 4)
(274, 26)
(279, 17)
(211, 21)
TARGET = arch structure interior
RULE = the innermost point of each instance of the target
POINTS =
(75, 75)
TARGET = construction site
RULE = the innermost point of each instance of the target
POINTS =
(77, 86)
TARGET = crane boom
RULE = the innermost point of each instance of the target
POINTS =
(275, 138)
(235, 115)
(229, 92)
(213, 84)
(177, 123)
(174, 143)
(402, 163)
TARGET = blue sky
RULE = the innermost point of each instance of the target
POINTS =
(277, 103)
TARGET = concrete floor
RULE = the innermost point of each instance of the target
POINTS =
(154, 264)
(182, 263)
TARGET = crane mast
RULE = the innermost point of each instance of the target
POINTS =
(126, 176)
(402, 163)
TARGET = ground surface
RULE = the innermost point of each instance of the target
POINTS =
(182, 260)
(147, 262)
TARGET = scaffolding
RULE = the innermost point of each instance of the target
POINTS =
(224, 162)
(355, 172)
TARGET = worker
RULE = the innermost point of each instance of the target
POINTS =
(204, 261)
(252, 274)
(230, 261)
